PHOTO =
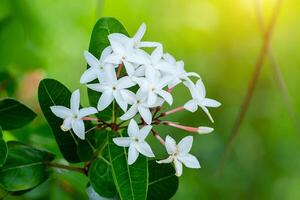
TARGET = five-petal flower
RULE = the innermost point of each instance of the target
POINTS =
(111, 89)
(179, 154)
(73, 117)
(198, 93)
(135, 141)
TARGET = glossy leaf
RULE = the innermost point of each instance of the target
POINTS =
(131, 180)
(101, 179)
(163, 183)
(98, 42)
(52, 92)
(25, 167)
(14, 114)
(3, 149)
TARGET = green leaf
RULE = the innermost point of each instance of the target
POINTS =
(14, 114)
(163, 183)
(101, 178)
(52, 92)
(25, 167)
(98, 42)
(131, 180)
(3, 149)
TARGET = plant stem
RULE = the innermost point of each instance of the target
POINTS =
(70, 168)
(251, 87)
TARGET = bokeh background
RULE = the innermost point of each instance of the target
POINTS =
(218, 39)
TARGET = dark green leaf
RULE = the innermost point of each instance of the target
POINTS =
(52, 92)
(101, 179)
(131, 180)
(14, 114)
(25, 167)
(98, 42)
(163, 183)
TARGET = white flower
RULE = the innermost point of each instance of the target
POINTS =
(111, 89)
(153, 85)
(96, 66)
(136, 142)
(179, 154)
(139, 105)
(73, 117)
(176, 70)
(198, 93)
(153, 61)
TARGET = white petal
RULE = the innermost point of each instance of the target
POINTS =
(118, 37)
(178, 167)
(133, 128)
(87, 111)
(149, 44)
(210, 103)
(152, 98)
(207, 113)
(170, 144)
(144, 132)
(89, 75)
(132, 155)
(98, 87)
(105, 100)
(169, 58)
(122, 141)
(116, 46)
(191, 105)
(78, 128)
(205, 130)
(114, 59)
(140, 57)
(120, 101)
(193, 74)
(140, 33)
(67, 124)
(75, 101)
(201, 88)
(125, 82)
(185, 145)
(129, 68)
(91, 59)
(128, 96)
(131, 112)
(157, 54)
(145, 114)
(166, 96)
(189, 161)
(145, 149)
(168, 160)
(174, 82)
(111, 76)
(107, 51)
(61, 111)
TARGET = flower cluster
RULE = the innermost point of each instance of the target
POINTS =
(140, 83)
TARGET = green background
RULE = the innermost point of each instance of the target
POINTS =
(218, 39)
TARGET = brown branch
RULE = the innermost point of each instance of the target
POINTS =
(251, 87)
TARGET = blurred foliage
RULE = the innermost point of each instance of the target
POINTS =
(218, 39)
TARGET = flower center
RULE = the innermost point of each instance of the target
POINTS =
(114, 87)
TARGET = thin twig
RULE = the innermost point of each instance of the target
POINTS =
(157, 136)
(277, 74)
(251, 87)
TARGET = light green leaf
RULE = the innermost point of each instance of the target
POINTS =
(52, 92)
(14, 114)
(3, 149)
(25, 167)
(131, 180)
(163, 183)
(98, 42)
